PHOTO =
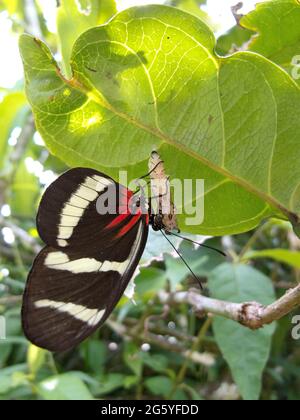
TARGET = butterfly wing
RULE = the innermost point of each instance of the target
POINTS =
(68, 215)
(71, 290)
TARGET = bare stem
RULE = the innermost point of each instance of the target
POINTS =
(250, 314)
(204, 359)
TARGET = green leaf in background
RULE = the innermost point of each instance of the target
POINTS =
(150, 281)
(277, 23)
(13, 328)
(94, 353)
(5, 350)
(245, 351)
(194, 395)
(282, 255)
(133, 358)
(201, 260)
(12, 377)
(13, 7)
(150, 80)
(233, 40)
(35, 359)
(156, 247)
(159, 386)
(76, 16)
(5, 384)
(192, 6)
(9, 108)
(157, 362)
(64, 387)
(111, 382)
(24, 192)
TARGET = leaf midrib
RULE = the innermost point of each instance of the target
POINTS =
(99, 99)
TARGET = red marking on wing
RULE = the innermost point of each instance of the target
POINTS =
(119, 219)
(129, 225)
(124, 213)
(125, 197)
(123, 210)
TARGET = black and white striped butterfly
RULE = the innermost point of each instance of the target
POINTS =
(89, 258)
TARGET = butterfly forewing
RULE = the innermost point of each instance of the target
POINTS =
(72, 288)
(68, 215)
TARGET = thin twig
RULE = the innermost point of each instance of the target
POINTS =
(235, 11)
(10, 300)
(250, 314)
(205, 359)
(21, 234)
(15, 158)
(26, 134)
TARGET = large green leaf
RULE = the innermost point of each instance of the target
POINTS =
(150, 79)
(9, 108)
(245, 351)
(277, 23)
(76, 16)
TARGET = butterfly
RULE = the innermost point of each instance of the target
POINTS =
(90, 256)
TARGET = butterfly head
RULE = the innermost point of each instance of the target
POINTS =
(166, 222)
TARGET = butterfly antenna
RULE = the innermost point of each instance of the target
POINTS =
(183, 260)
(197, 243)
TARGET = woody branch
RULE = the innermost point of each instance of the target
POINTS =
(250, 314)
